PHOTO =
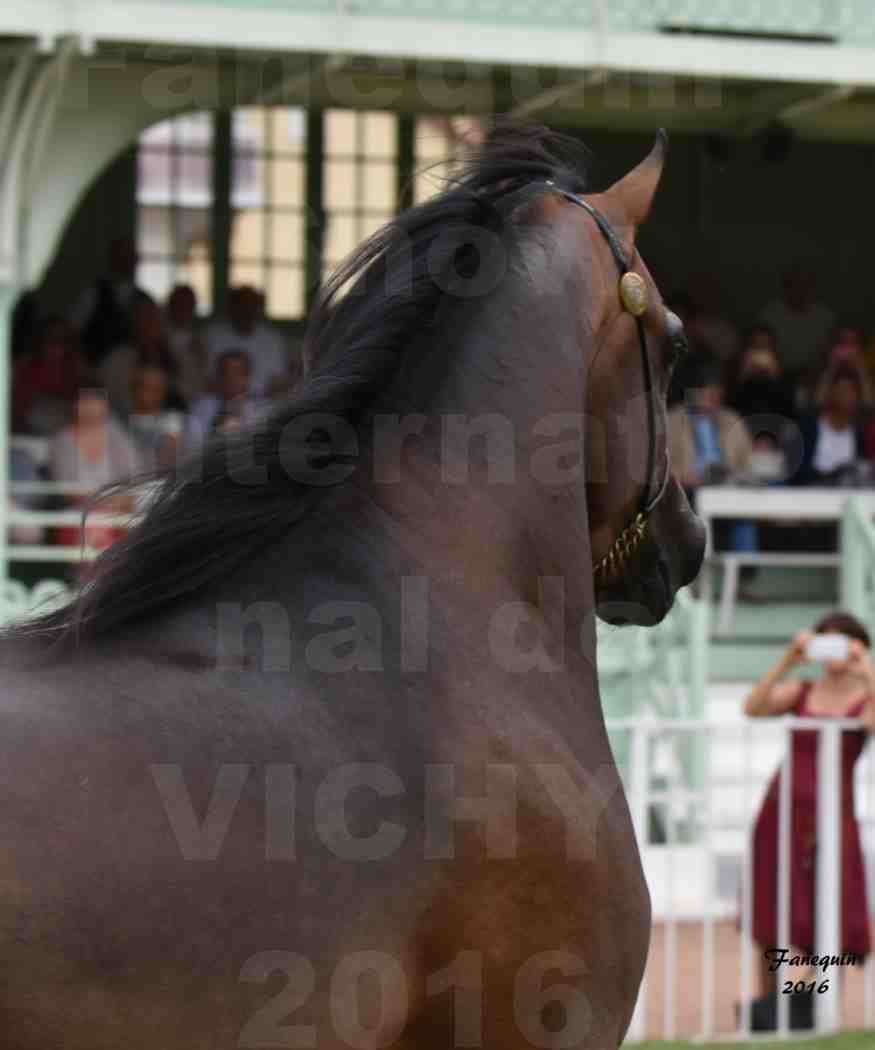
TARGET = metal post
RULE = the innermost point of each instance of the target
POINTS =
(7, 303)
(406, 162)
(827, 931)
(869, 972)
(638, 807)
(315, 205)
(852, 571)
(710, 895)
(785, 817)
(746, 896)
(698, 641)
(222, 211)
(669, 969)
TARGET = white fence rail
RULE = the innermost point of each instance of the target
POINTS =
(28, 514)
(701, 827)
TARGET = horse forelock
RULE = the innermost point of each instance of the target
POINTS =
(203, 522)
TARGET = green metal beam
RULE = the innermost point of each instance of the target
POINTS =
(405, 162)
(314, 248)
(222, 214)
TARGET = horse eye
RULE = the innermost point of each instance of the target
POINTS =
(680, 347)
(676, 339)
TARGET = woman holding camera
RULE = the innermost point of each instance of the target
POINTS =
(846, 689)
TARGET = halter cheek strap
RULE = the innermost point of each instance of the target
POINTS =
(633, 296)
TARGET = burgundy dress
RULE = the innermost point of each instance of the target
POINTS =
(854, 913)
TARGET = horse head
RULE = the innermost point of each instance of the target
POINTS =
(646, 541)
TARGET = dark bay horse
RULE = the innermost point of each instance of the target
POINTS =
(317, 756)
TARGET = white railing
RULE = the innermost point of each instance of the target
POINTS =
(657, 674)
(17, 600)
(683, 877)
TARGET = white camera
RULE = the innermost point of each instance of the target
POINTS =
(826, 647)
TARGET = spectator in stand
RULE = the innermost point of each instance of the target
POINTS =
(182, 333)
(93, 451)
(698, 355)
(154, 427)
(847, 343)
(869, 356)
(233, 405)
(246, 329)
(846, 351)
(833, 438)
(103, 314)
(709, 324)
(757, 386)
(147, 346)
(709, 445)
(45, 384)
(801, 324)
(761, 396)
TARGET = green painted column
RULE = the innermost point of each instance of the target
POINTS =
(222, 215)
(405, 162)
(852, 569)
(698, 749)
(315, 205)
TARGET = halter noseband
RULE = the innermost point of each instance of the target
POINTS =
(634, 299)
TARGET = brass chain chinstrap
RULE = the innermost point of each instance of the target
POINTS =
(622, 548)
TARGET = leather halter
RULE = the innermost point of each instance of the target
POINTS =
(630, 538)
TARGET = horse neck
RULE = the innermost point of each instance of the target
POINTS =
(511, 374)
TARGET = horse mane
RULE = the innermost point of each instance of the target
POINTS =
(210, 515)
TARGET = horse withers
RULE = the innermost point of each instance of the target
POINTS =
(317, 758)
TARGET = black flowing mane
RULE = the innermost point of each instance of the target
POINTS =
(211, 515)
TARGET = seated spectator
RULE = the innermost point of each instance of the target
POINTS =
(709, 324)
(833, 439)
(708, 443)
(869, 355)
(184, 339)
(45, 384)
(93, 451)
(801, 324)
(103, 314)
(147, 346)
(154, 427)
(232, 407)
(246, 329)
(846, 351)
(847, 344)
(757, 388)
(699, 353)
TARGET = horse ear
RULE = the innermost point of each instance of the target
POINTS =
(637, 189)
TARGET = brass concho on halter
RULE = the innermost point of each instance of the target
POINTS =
(633, 293)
